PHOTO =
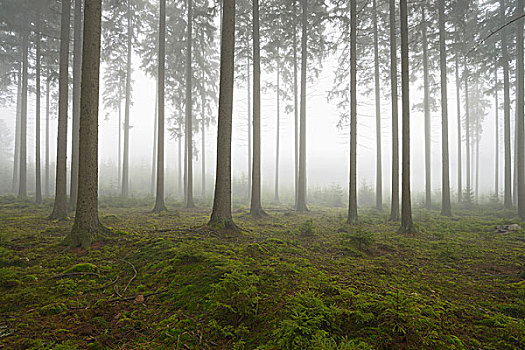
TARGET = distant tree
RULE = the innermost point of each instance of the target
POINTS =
(394, 209)
(352, 206)
(520, 112)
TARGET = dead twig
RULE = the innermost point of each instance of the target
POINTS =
(133, 298)
(106, 285)
(132, 278)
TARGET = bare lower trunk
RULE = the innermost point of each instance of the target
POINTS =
(249, 97)
(300, 205)
(379, 167)
(468, 189)
(394, 210)
(16, 156)
(520, 122)
(446, 208)
(125, 162)
(496, 141)
(203, 148)
(189, 107)
(458, 109)
(406, 204)
(22, 180)
(352, 203)
(506, 110)
(87, 225)
(38, 185)
(277, 131)
(159, 202)
(181, 189)
(46, 166)
(119, 176)
(255, 206)
(296, 104)
(155, 143)
(221, 214)
(77, 71)
(426, 110)
(60, 208)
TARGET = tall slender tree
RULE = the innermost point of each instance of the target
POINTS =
(446, 208)
(77, 71)
(460, 136)
(60, 208)
(352, 204)
(520, 95)
(426, 109)
(221, 214)
(189, 106)
(507, 199)
(159, 202)
(38, 185)
(407, 225)
(22, 163)
(377, 77)
(394, 208)
(87, 225)
(255, 206)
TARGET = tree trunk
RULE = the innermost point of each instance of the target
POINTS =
(300, 205)
(87, 225)
(377, 77)
(77, 71)
(159, 202)
(352, 201)
(125, 162)
(446, 208)
(221, 215)
(520, 122)
(155, 142)
(278, 131)
(255, 206)
(394, 209)
(496, 141)
(16, 158)
(189, 107)
(506, 110)
(515, 155)
(468, 189)
(249, 129)
(203, 144)
(478, 136)
(181, 189)
(60, 207)
(426, 110)
(46, 176)
(458, 109)
(22, 181)
(407, 225)
(296, 105)
(119, 176)
(38, 186)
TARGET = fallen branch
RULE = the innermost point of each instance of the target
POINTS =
(132, 278)
(62, 275)
(107, 284)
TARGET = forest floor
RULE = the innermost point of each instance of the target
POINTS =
(287, 281)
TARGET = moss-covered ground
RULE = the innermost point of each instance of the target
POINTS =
(288, 281)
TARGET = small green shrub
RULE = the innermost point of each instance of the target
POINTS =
(307, 228)
(359, 238)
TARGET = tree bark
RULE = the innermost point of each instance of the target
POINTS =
(203, 144)
(221, 215)
(300, 205)
(125, 161)
(119, 176)
(520, 114)
(394, 209)
(296, 105)
(87, 225)
(77, 71)
(278, 132)
(468, 189)
(16, 156)
(407, 225)
(155, 142)
(38, 178)
(446, 209)
(22, 180)
(458, 109)
(60, 207)
(249, 129)
(352, 201)
(496, 141)
(377, 77)
(426, 110)
(189, 107)
(255, 206)
(159, 202)
(506, 110)
(46, 166)
(182, 191)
